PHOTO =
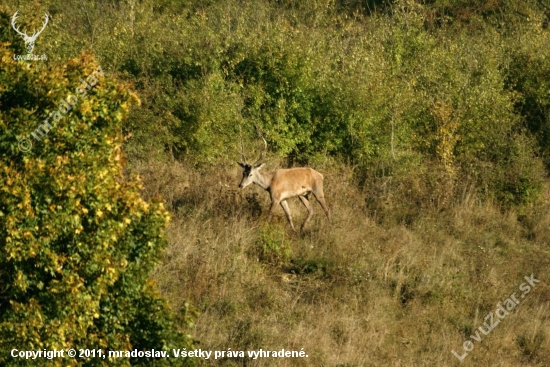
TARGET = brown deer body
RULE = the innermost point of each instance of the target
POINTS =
(283, 184)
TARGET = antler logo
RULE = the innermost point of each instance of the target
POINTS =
(29, 40)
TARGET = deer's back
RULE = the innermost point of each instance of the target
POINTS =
(293, 182)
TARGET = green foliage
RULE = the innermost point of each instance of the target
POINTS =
(77, 242)
(528, 75)
(369, 83)
(519, 180)
(313, 267)
(272, 247)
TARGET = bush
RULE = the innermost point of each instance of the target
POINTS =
(272, 247)
(451, 82)
(76, 240)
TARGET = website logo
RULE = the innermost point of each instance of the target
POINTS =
(29, 40)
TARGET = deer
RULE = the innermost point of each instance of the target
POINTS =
(29, 40)
(283, 184)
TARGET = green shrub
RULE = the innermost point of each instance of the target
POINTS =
(272, 247)
(451, 82)
(77, 242)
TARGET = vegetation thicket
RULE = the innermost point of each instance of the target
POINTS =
(430, 121)
(77, 241)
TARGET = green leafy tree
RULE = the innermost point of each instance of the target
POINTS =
(77, 242)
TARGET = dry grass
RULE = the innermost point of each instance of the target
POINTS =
(361, 291)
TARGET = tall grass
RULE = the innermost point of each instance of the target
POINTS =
(403, 291)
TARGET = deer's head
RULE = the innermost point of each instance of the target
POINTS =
(250, 174)
(250, 171)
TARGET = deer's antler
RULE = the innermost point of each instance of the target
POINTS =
(244, 162)
(262, 154)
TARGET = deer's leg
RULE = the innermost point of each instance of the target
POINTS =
(320, 196)
(309, 208)
(274, 204)
(284, 204)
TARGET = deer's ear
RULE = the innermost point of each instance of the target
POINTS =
(241, 164)
(260, 166)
